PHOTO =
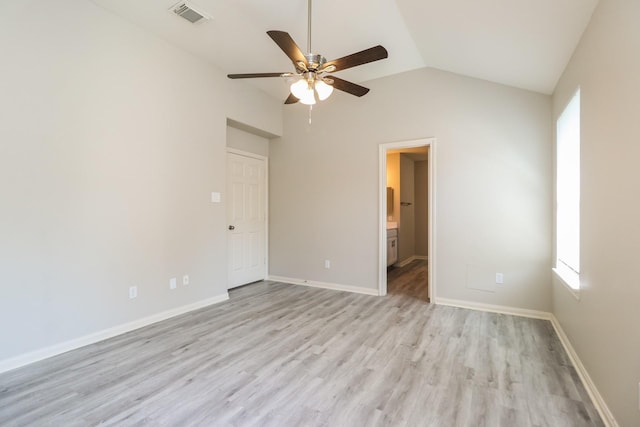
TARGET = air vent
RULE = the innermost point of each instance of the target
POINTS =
(189, 12)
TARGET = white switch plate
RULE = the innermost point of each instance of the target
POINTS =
(185, 280)
(499, 278)
(133, 292)
(215, 197)
(173, 283)
(327, 264)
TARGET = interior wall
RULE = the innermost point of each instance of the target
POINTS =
(601, 325)
(407, 224)
(493, 184)
(421, 175)
(246, 141)
(393, 181)
(111, 141)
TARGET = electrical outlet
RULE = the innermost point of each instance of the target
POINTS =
(327, 264)
(133, 292)
(499, 278)
(173, 283)
(185, 280)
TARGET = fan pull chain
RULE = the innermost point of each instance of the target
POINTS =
(310, 108)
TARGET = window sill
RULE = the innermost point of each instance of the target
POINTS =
(565, 282)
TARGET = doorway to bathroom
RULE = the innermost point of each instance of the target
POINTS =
(406, 226)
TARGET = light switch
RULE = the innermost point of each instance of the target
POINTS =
(215, 197)
(499, 278)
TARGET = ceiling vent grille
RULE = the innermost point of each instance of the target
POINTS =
(189, 12)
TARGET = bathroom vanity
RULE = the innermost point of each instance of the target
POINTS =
(392, 243)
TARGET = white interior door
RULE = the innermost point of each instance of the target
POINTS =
(246, 216)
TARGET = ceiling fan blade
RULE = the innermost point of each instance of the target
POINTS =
(291, 99)
(288, 46)
(348, 87)
(372, 54)
(254, 75)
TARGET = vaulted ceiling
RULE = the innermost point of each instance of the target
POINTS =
(521, 43)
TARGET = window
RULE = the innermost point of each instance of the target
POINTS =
(568, 194)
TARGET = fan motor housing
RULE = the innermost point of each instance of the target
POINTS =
(315, 61)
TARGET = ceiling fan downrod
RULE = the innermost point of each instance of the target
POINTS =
(309, 28)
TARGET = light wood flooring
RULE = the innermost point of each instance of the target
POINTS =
(410, 280)
(285, 355)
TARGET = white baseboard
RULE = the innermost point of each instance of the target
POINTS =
(594, 394)
(404, 262)
(524, 312)
(54, 350)
(325, 285)
(606, 415)
(410, 260)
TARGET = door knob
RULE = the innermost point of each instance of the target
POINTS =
(231, 227)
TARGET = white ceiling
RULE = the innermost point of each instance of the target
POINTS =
(522, 43)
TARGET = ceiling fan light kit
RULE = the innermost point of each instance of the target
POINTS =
(311, 70)
(303, 90)
(309, 86)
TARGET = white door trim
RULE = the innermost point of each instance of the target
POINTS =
(247, 154)
(382, 211)
(266, 204)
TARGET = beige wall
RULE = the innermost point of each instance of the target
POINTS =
(393, 181)
(421, 169)
(246, 141)
(409, 178)
(493, 184)
(111, 141)
(603, 325)
(407, 224)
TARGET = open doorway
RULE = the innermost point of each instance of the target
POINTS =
(406, 218)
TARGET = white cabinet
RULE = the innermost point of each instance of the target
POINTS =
(392, 246)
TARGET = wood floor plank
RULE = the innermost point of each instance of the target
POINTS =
(284, 355)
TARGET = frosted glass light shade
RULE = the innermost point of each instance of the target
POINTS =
(324, 90)
(308, 98)
(303, 92)
(299, 88)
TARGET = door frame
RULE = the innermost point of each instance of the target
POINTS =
(266, 207)
(382, 211)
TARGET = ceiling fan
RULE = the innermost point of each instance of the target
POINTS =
(312, 70)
